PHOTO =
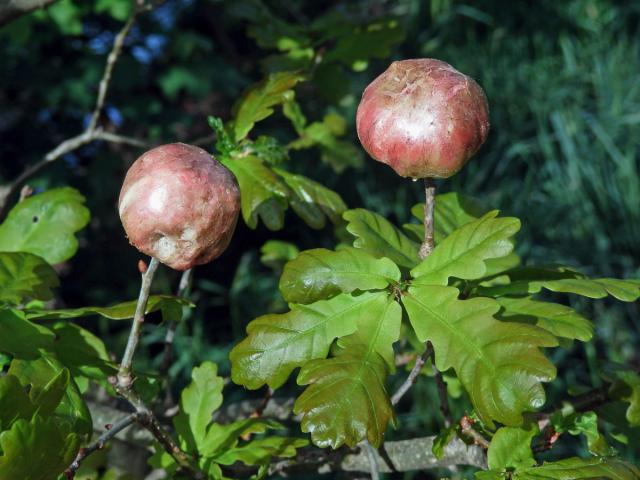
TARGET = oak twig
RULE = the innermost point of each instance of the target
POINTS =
(112, 431)
(413, 375)
(91, 133)
(466, 428)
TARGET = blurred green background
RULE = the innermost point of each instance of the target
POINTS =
(562, 78)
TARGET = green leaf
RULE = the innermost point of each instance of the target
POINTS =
(531, 280)
(44, 225)
(511, 448)
(14, 402)
(47, 397)
(379, 237)
(21, 338)
(630, 393)
(560, 320)
(224, 143)
(311, 200)
(498, 363)
(121, 311)
(67, 16)
(262, 192)
(262, 450)
(581, 468)
(442, 439)
(220, 438)
(257, 104)
(82, 352)
(39, 373)
(276, 344)
(583, 423)
(36, 450)
(293, 112)
(320, 274)
(198, 401)
(275, 253)
(337, 153)
(378, 329)
(361, 43)
(346, 401)
(25, 276)
(118, 9)
(463, 253)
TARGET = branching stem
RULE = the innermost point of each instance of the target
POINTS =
(111, 432)
(413, 375)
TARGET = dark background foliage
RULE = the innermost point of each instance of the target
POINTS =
(563, 154)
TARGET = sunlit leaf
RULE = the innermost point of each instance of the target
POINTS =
(220, 438)
(511, 448)
(198, 401)
(463, 253)
(276, 344)
(121, 311)
(581, 468)
(262, 450)
(558, 319)
(379, 237)
(531, 280)
(24, 275)
(498, 363)
(44, 225)
(311, 200)
(257, 104)
(260, 188)
(320, 274)
(346, 401)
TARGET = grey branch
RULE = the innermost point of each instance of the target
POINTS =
(416, 454)
(92, 132)
(111, 432)
(12, 9)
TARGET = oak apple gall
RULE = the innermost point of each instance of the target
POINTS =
(423, 118)
(180, 205)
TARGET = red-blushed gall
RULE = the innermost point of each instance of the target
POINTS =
(423, 118)
(180, 205)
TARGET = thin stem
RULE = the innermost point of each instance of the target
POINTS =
(118, 42)
(413, 375)
(466, 428)
(111, 432)
(125, 377)
(373, 460)
(92, 132)
(430, 199)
